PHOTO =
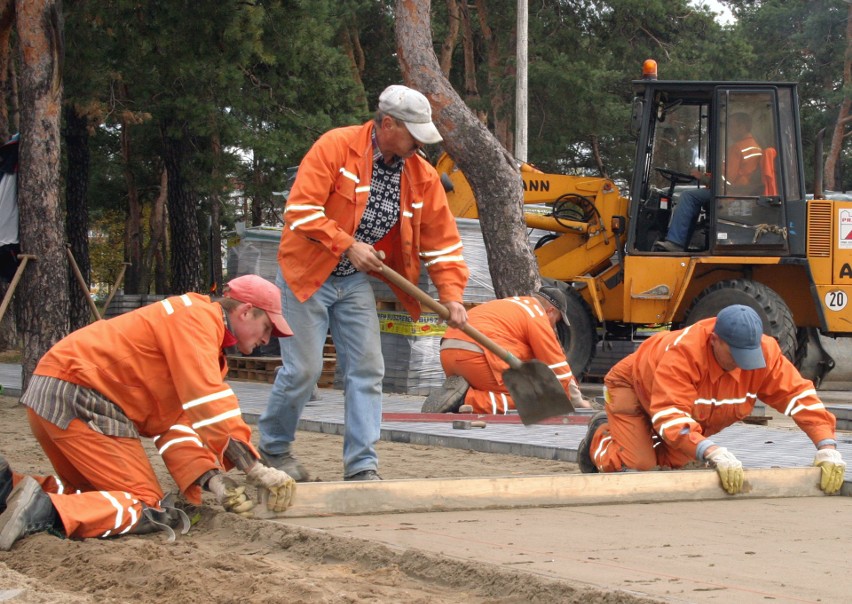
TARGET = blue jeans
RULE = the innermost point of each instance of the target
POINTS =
(346, 305)
(686, 213)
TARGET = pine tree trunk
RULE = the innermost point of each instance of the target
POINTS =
(185, 258)
(133, 218)
(832, 160)
(77, 212)
(43, 291)
(491, 171)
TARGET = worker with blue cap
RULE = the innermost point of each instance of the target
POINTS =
(665, 401)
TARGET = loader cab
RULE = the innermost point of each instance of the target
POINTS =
(733, 151)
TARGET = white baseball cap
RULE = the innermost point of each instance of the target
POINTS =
(412, 109)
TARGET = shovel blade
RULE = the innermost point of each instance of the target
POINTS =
(537, 392)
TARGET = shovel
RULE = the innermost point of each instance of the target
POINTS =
(534, 387)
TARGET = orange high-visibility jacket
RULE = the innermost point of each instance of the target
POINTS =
(163, 365)
(325, 207)
(519, 325)
(689, 397)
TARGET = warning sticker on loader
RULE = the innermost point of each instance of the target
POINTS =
(844, 239)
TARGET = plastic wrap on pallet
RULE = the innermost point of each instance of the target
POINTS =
(122, 303)
(255, 253)
(479, 286)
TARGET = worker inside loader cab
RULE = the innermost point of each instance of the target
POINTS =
(741, 176)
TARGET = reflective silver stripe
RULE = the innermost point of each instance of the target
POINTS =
(602, 448)
(446, 259)
(133, 517)
(558, 365)
(60, 486)
(680, 337)
(362, 189)
(407, 214)
(794, 407)
(175, 441)
(209, 398)
(564, 376)
(297, 207)
(725, 401)
(665, 412)
(187, 301)
(349, 175)
(442, 252)
(168, 306)
(219, 418)
(523, 305)
(417, 205)
(675, 422)
(119, 510)
(297, 223)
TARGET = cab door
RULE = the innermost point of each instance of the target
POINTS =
(749, 210)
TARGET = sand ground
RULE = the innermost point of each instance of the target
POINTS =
(226, 559)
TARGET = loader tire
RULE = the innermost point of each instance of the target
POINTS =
(580, 338)
(773, 311)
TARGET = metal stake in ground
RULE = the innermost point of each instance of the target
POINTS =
(532, 384)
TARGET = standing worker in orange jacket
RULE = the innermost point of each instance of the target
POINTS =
(665, 401)
(360, 190)
(523, 325)
(157, 372)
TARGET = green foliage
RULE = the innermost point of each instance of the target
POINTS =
(262, 79)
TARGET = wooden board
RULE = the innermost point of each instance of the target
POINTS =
(434, 495)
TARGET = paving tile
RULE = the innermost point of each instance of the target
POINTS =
(756, 446)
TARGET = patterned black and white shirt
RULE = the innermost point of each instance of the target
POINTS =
(382, 211)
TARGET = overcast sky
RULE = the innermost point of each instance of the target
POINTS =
(724, 15)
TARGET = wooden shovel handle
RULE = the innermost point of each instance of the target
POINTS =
(432, 304)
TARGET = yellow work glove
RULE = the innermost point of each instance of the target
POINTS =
(730, 469)
(833, 468)
(230, 495)
(278, 484)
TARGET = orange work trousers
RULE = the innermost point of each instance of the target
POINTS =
(104, 482)
(485, 394)
(628, 440)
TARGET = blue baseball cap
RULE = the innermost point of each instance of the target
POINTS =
(741, 329)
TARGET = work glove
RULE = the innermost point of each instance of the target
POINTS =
(833, 468)
(280, 487)
(230, 495)
(730, 469)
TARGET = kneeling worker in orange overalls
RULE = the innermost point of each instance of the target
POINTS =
(523, 325)
(157, 372)
(665, 400)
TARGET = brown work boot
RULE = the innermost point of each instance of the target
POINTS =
(28, 510)
(448, 398)
(584, 453)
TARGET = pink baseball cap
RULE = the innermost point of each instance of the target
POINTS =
(261, 294)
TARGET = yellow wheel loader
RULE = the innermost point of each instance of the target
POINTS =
(731, 153)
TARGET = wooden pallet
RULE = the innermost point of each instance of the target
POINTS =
(253, 369)
(263, 369)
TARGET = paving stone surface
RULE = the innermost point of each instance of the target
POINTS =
(755, 445)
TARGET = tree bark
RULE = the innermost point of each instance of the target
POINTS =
(133, 218)
(500, 69)
(43, 290)
(7, 22)
(152, 262)
(215, 261)
(490, 170)
(77, 212)
(833, 158)
(448, 46)
(185, 258)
